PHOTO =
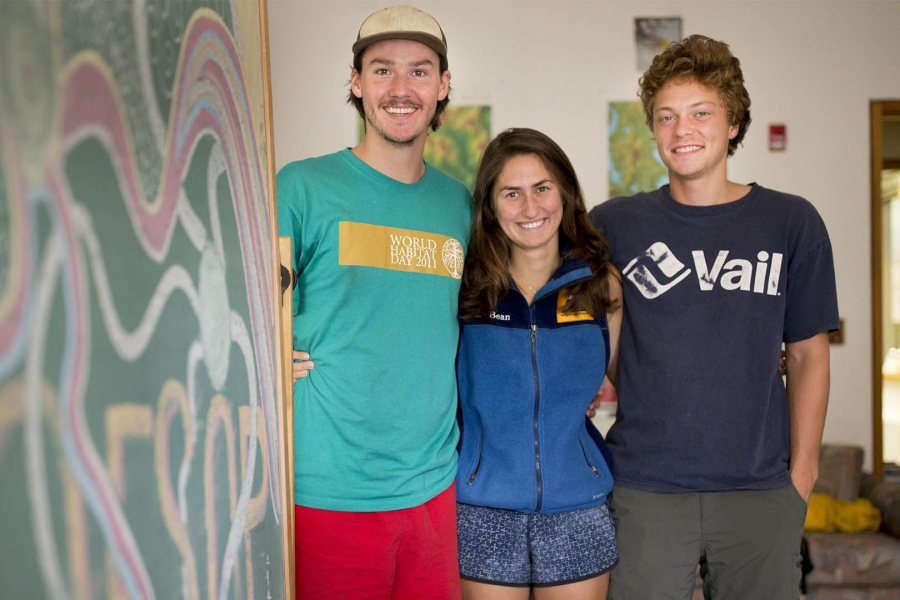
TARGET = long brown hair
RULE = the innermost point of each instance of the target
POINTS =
(486, 273)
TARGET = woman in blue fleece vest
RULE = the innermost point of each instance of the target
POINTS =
(540, 308)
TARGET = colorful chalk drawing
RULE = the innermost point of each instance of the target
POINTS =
(139, 425)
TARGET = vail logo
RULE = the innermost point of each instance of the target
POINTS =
(657, 270)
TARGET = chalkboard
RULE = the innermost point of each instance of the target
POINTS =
(141, 427)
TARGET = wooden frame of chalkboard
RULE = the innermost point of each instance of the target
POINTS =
(283, 285)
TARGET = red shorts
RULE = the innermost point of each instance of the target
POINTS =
(396, 554)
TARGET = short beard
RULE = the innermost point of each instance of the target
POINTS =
(397, 143)
(370, 124)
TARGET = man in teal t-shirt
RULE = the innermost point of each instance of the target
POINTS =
(379, 241)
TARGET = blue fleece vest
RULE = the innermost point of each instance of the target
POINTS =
(526, 376)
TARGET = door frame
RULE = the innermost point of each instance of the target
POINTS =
(877, 110)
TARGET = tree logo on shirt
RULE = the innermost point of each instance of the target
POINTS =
(657, 270)
(453, 257)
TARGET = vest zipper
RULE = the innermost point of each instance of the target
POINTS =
(537, 405)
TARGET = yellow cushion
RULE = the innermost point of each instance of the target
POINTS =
(820, 513)
(849, 516)
(858, 515)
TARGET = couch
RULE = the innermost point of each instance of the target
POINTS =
(855, 566)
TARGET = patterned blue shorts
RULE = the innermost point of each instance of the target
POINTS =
(506, 547)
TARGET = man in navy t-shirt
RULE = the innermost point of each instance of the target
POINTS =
(715, 452)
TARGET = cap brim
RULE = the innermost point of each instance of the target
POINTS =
(423, 38)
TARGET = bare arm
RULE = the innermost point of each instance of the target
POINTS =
(614, 319)
(808, 373)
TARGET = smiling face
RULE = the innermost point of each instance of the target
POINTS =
(528, 204)
(400, 84)
(690, 124)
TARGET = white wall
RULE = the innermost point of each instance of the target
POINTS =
(551, 65)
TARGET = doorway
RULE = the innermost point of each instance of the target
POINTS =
(885, 215)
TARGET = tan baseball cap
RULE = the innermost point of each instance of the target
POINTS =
(401, 23)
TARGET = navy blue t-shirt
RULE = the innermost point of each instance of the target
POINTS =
(710, 295)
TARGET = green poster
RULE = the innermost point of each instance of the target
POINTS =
(634, 163)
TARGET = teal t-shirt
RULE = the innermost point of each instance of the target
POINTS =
(379, 265)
